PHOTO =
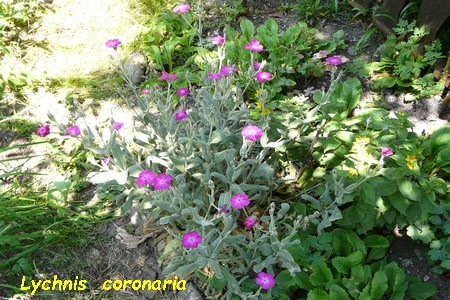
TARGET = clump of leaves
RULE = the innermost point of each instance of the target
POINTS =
(400, 68)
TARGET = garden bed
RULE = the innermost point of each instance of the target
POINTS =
(131, 246)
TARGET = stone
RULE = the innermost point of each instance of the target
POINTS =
(191, 293)
(135, 68)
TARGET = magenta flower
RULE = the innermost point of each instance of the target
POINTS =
(191, 240)
(263, 76)
(239, 201)
(181, 8)
(254, 46)
(43, 130)
(217, 40)
(334, 60)
(252, 132)
(249, 223)
(118, 125)
(256, 65)
(146, 177)
(162, 182)
(386, 151)
(214, 76)
(73, 130)
(265, 280)
(223, 209)
(226, 70)
(113, 43)
(183, 92)
(168, 76)
(181, 115)
(105, 161)
(145, 91)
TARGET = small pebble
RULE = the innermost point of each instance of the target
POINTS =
(426, 278)
(406, 263)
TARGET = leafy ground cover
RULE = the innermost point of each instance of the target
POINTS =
(268, 189)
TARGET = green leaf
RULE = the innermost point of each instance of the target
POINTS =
(443, 157)
(338, 293)
(420, 290)
(58, 193)
(379, 285)
(356, 242)
(186, 270)
(352, 93)
(248, 29)
(352, 286)
(385, 187)
(420, 232)
(344, 264)
(167, 206)
(440, 139)
(218, 136)
(340, 243)
(346, 136)
(400, 203)
(321, 274)
(264, 171)
(318, 294)
(396, 277)
(376, 253)
(376, 241)
(302, 280)
(368, 193)
(217, 268)
(288, 36)
(409, 189)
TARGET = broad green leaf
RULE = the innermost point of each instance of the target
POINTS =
(420, 290)
(186, 270)
(440, 139)
(346, 136)
(340, 243)
(376, 253)
(420, 232)
(395, 276)
(248, 29)
(321, 274)
(338, 293)
(368, 193)
(344, 264)
(318, 294)
(302, 280)
(264, 171)
(400, 203)
(164, 205)
(58, 193)
(352, 286)
(410, 190)
(376, 241)
(218, 136)
(356, 242)
(443, 157)
(379, 285)
(385, 187)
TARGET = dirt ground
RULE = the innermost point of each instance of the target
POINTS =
(128, 248)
